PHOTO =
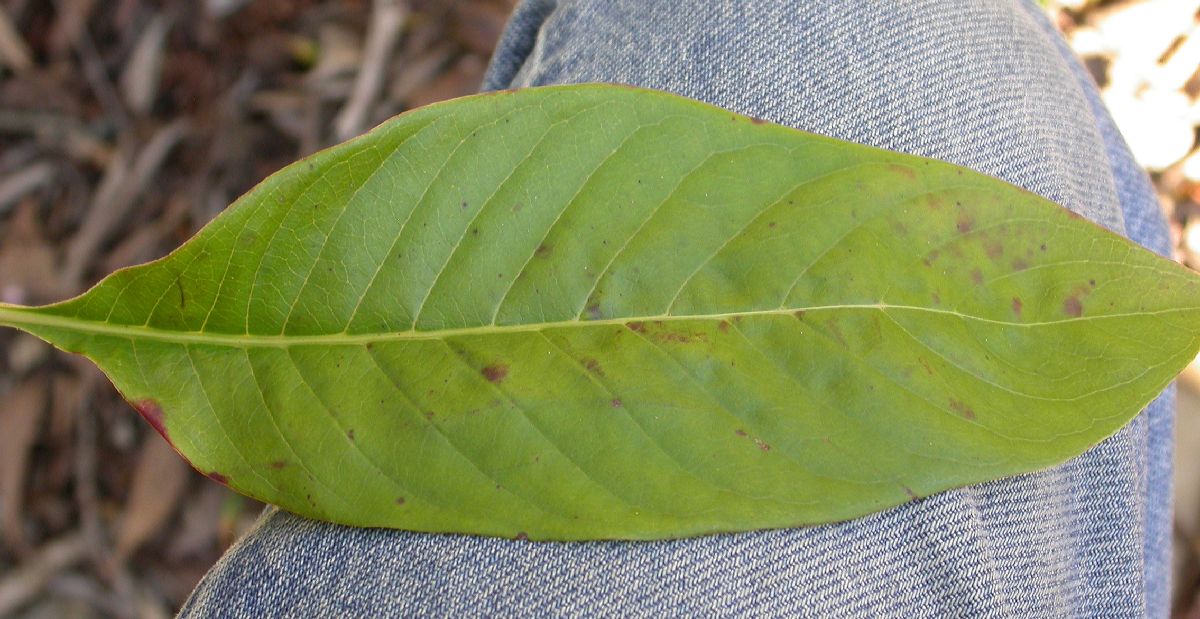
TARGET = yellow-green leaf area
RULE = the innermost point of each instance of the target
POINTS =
(598, 312)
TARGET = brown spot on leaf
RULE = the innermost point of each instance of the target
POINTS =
(616, 403)
(1072, 307)
(836, 332)
(909, 491)
(153, 414)
(593, 366)
(925, 364)
(636, 327)
(762, 445)
(247, 239)
(770, 224)
(937, 298)
(350, 434)
(904, 171)
(495, 372)
(399, 500)
(1020, 265)
(217, 477)
(1092, 283)
(464, 205)
(723, 326)
(544, 251)
(977, 276)
(279, 464)
(674, 337)
(799, 314)
(1017, 305)
(994, 249)
(757, 121)
(593, 311)
(1042, 247)
(522, 536)
(962, 409)
(182, 296)
(740, 432)
(964, 223)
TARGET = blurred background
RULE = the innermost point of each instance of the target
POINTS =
(125, 125)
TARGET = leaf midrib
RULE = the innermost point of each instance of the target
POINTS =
(17, 316)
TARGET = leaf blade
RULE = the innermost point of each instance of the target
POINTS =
(593, 312)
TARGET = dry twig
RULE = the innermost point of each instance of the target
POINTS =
(22, 584)
(16, 185)
(387, 21)
(13, 51)
(119, 190)
(20, 420)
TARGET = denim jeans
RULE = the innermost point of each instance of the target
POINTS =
(982, 83)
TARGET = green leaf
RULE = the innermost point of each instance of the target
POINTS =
(600, 312)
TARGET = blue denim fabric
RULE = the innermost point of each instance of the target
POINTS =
(983, 83)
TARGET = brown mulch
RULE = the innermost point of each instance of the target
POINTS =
(126, 125)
